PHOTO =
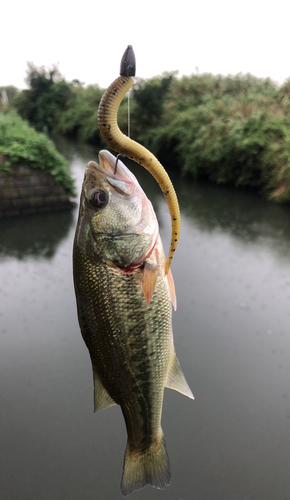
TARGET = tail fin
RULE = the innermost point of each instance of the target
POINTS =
(152, 468)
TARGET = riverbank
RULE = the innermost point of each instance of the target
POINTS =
(34, 177)
(24, 190)
(231, 130)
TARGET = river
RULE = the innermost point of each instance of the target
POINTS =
(231, 328)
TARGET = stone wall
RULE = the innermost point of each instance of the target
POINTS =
(27, 190)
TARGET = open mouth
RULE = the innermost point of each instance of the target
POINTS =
(113, 168)
(107, 166)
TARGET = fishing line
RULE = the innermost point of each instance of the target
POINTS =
(129, 123)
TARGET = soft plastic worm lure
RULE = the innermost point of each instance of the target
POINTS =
(107, 117)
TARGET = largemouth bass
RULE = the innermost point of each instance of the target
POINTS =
(124, 310)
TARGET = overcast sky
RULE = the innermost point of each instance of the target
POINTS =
(87, 38)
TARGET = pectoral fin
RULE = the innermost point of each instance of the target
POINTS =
(176, 379)
(171, 289)
(102, 399)
(149, 281)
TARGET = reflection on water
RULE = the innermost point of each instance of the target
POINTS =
(36, 235)
(232, 275)
(240, 213)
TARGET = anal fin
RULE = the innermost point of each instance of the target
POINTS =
(102, 399)
(176, 379)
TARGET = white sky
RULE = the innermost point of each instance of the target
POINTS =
(88, 38)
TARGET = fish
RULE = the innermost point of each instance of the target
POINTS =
(124, 304)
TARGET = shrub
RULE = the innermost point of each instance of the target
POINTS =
(20, 143)
(229, 130)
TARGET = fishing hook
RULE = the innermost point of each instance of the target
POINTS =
(116, 163)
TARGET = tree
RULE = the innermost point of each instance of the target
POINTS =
(46, 98)
(149, 97)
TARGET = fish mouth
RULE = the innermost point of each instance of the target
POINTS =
(107, 167)
(123, 181)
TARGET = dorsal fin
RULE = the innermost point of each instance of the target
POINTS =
(176, 379)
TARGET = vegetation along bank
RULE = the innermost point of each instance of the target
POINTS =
(231, 130)
(33, 175)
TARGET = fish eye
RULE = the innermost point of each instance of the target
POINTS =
(98, 199)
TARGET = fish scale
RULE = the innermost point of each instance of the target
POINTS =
(128, 335)
(121, 304)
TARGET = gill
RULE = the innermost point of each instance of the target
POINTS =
(107, 118)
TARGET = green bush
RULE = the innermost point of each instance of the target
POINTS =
(148, 98)
(229, 130)
(20, 143)
(80, 119)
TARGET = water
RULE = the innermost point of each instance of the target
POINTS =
(231, 327)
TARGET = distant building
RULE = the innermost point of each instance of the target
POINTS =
(4, 97)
